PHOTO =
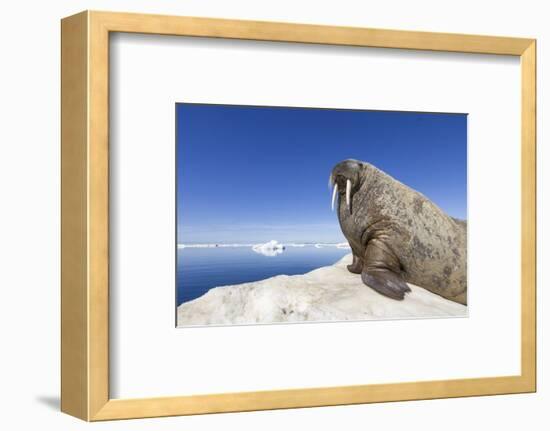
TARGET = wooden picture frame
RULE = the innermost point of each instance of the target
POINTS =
(85, 218)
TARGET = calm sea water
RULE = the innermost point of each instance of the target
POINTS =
(201, 269)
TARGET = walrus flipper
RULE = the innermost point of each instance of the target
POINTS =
(357, 265)
(381, 272)
(386, 283)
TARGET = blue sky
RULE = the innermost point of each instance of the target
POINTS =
(252, 174)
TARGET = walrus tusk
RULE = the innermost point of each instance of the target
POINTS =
(348, 192)
(330, 181)
(334, 193)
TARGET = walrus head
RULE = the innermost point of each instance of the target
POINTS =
(346, 177)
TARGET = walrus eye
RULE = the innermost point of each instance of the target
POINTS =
(334, 193)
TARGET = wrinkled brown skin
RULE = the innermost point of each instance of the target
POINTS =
(397, 235)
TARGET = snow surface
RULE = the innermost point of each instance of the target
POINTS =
(324, 294)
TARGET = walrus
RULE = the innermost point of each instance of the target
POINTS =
(397, 235)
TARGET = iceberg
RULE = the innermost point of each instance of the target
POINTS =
(343, 245)
(213, 245)
(330, 293)
(271, 248)
(292, 244)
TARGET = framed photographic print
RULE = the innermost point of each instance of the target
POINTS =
(231, 270)
(344, 215)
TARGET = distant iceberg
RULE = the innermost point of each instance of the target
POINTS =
(212, 245)
(271, 248)
(273, 244)
(343, 245)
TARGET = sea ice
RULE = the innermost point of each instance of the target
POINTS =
(325, 294)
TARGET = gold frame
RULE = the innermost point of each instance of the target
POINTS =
(85, 220)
